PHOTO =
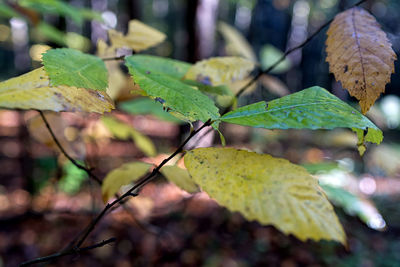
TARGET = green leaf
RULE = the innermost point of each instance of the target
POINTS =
(145, 105)
(73, 68)
(171, 67)
(220, 90)
(54, 7)
(72, 178)
(269, 55)
(267, 189)
(355, 205)
(312, 108)
(7, 12)
(158, 82)
(51, 33)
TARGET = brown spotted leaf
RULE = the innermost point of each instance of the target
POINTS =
(33, 91)
(360, 55)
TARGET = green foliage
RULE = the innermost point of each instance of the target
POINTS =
(181, 98)
(174, 68)
(7, 12)
(61, 8)
(72, 178)
(73, 68)
(145, 105)
(269, 55)
(312, 108)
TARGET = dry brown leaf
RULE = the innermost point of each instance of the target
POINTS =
(360, 55)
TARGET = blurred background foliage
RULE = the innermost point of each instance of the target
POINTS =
(44, 199)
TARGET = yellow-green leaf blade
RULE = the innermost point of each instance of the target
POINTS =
(124, 175)
(71, 67)
(267, 189)
(236, 43)
(139, 37)
(33, 91)
(180, 177)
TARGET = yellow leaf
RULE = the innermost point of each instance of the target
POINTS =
(180, 177)
(360, 55)
(220, 70)
(124, 131)
(124, 175)
(267, 189)
(40, 133)
(139, 37)
(33, 91)
(236, 44)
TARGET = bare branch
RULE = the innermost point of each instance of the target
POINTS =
(64, 152)
(67, 252)
(137, 186)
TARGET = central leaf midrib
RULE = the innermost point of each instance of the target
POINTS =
(277, 109)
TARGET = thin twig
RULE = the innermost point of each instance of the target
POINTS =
(67, 252)
(291, 50)
(137, 186)
(64, 152)
(114, 58)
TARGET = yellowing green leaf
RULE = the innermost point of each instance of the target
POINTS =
(124, 131)
(220, 70)
(33, 91)
(139, 37)
(180, 177)
(236, 43)
(124, 175)
(267, 189)
(71, 67)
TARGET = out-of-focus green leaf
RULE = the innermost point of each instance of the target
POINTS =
(7, 12)
(72, 178)
(312, 108)
(54, 7)
(124, 131)
(355, 206)
(145, 105)
(269, 55)
(73, 68)
(315, 168)
(182, 99)
(91, 14)
(51, 33)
